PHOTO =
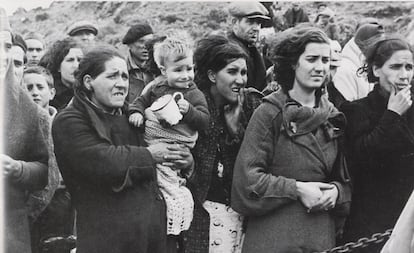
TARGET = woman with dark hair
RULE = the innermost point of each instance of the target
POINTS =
(294, 186)
(221, 74)
(108, 171)
(380, 137)
(62, 59)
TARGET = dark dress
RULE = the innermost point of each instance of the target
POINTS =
(381, 148)
(111, 178)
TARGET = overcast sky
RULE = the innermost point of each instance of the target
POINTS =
(12, 5)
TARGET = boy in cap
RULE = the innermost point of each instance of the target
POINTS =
(247, 18)
(136, 38)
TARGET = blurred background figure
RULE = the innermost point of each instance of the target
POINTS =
(325, 20)
(352, 83)
(294, 15)
(35, 47)
(247, 18)
(18, 53)
(137, 38)
(84, 32)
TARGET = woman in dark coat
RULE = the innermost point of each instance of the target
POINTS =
(221, 75)
(380, 137)
(289, 178)
(107, 170)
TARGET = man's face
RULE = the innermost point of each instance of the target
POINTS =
(247, 29)
(84, 37)
(35, 51)
(18, 62)
(138, 49)
(5, 52)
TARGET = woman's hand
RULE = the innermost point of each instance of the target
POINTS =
(328, 199)
(10, 166)
(310, 193)
(232, 114)
(399, 102)
(179, 157)
(174, 156)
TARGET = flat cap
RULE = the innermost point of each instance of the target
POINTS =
(250, 9)
(82, 25)
(136, 32)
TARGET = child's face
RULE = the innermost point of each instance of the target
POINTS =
(38, 90)
(179, 73)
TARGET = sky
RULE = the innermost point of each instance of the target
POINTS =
(11, 5)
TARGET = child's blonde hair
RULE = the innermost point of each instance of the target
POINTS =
(177, 46)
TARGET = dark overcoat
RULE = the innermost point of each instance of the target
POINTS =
(111, 178)
(381, 148)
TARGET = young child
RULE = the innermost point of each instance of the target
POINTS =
(38, 82)
(174, 57)
(45, 206)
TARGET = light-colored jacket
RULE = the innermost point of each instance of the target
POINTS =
(351, 84)
(402, 238)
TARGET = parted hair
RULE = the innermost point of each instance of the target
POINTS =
(93, 64)
(213, 53)
(380, 50)
(287, 47)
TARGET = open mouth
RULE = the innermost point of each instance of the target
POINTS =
(118, 94)
(236, 89)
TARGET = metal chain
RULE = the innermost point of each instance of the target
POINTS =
(361, 243)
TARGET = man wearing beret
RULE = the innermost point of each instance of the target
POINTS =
(138, 55)
(83, 31)
(247, 18)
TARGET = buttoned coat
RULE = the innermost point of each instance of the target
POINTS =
(111, 178)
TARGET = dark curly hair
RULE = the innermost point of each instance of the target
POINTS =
(287, 47)
(52, 59)
(380, 50)
(213, 53)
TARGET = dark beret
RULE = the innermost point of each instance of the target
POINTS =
(136, 32)
(19, 41)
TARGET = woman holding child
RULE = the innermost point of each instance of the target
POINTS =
(106, 166)
(290, 177)
(221, 74)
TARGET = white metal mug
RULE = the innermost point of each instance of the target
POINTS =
(166, 108)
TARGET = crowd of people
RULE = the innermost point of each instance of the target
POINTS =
(208, 144)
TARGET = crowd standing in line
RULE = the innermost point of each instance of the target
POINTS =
(282, 144)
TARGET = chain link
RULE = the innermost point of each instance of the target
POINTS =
(361, 243)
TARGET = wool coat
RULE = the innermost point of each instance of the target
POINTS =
(25, 140)
(213, 142)
(381, 152)
(291, 143)
(111, 178)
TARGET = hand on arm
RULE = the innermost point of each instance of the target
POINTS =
(311, 193)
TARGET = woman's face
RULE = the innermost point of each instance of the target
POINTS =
(68, 66)
(312, 67)
(397, 71)
(110, 88)
(230, 79)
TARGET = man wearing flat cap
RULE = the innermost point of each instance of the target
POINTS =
(83, 31)
(138, 55)
(247, 18)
